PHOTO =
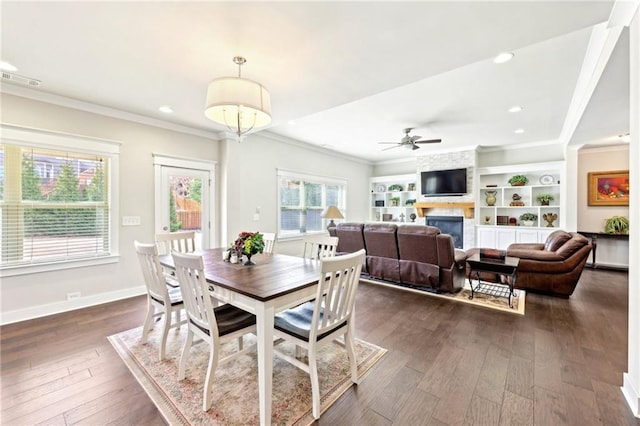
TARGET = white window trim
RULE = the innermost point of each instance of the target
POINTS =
(305, 177)
(37, 138)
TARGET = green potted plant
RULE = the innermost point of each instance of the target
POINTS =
(544, 198)
(528, 219)
(395, 187)
(518, 180)
(410, 202)
(617, 225)
(395, 201)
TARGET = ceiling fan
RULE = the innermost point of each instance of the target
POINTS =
(410, 141)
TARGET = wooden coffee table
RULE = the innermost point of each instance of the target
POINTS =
(506, 267)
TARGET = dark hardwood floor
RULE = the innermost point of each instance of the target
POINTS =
(448, 363)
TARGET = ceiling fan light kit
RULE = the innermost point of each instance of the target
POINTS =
(238, 103)
(410, 142)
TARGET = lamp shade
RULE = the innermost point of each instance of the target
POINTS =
(238, 103)
(332, 212)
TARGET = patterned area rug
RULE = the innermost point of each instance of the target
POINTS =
(479, 299)
(235, 389)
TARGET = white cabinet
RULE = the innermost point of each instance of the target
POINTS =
(392, 198)
(500, 206)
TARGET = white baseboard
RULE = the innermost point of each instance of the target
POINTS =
(631, 395)
(68, 305)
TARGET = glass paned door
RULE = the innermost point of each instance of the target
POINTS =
(184, 203)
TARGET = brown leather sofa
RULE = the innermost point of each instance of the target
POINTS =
(413, 255)
(552, 268)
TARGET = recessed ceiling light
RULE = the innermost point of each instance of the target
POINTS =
(166, 109)
(503, 57)
(6, 66)
(515, 108)
(518, 131)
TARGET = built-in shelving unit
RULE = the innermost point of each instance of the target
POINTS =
(499, 225)
(392, 198)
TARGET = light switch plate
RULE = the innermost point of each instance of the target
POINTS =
(130, 220)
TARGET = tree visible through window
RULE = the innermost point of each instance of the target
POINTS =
(56, 216)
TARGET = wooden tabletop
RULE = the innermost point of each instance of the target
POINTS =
(273, 275)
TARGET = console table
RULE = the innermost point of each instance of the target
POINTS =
(594, 244)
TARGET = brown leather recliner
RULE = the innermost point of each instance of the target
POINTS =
(428, 259)
(554, 267)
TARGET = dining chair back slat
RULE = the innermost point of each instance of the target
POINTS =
(319, 247)
(180, 241)
(269, 239)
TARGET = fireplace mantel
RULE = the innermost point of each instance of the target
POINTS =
(422, 208)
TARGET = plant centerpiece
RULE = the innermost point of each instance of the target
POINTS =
(395, 201)
(410, 202)
(617, 225)
(518, 180)
(544, 198)
(395, 187)
(528, 219)
(248, 244)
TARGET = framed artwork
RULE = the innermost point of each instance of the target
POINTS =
(609, 188)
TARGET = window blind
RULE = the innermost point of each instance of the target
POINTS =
(54, 206)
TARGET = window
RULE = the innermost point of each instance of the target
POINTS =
(54, 201)
(301, 200)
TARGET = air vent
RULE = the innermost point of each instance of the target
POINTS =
(18, 79)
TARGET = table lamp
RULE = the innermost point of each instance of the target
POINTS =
(331, 212)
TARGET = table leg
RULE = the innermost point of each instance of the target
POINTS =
(264, 323)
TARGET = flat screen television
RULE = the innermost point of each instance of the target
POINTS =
(438, 183)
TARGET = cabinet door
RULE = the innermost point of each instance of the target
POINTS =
(486, 238)
(527, 236)
(505, 237)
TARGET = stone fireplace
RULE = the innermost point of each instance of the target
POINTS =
(452, 225)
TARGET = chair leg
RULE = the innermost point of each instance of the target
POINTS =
(148, 321)
(207, 398)
(349, 344)
(165, 333)
(315, 384)
(182, 368)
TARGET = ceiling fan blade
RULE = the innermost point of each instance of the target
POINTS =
(395, 143)
(429, 141)
(414, 147)
(391, 147)
(415, 138)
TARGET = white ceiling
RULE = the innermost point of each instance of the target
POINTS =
(350, 74)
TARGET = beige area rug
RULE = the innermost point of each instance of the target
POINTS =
(235, 389)
(479, 299)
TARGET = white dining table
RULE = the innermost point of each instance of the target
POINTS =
(276, 282)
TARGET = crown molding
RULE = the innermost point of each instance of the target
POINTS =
(38, 95)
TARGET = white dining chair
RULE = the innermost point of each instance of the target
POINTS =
(269, 239)
(215, 326)
(320, 246)
(180, 241)
(161, 299)
(319, 322)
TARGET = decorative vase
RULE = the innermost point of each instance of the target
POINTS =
(527, 222)
(249, 261)
(544, 202)
(491, 196)
(517, 184)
